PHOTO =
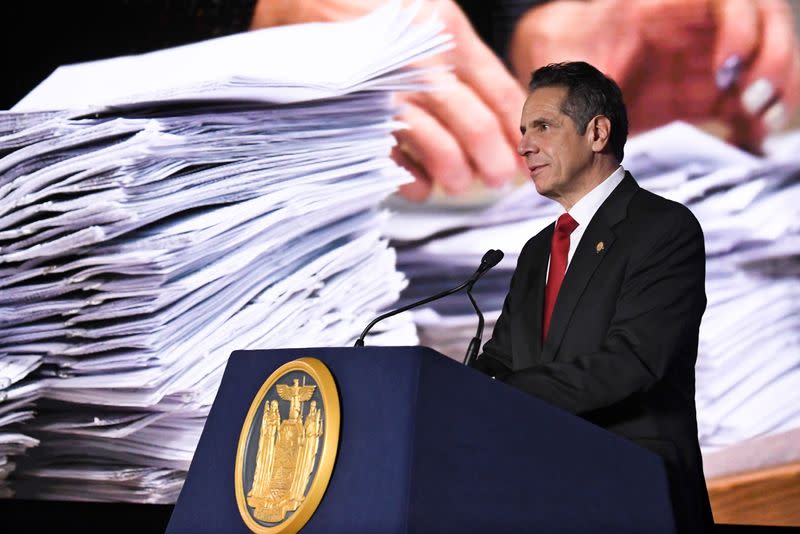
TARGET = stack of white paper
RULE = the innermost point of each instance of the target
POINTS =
(146, 236)
(16, 405)
(748, 379)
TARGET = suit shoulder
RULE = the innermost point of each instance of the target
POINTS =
(656, 223)
(657, 212)
(544, 233)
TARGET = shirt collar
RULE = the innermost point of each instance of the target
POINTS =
(586, 207)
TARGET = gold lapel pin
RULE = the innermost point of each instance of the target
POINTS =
(600, 247)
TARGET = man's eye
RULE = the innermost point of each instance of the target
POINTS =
(543, 127)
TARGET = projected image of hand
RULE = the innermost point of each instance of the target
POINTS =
(464, 132)
(732, 65)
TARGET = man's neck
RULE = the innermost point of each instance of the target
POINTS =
(601, 168)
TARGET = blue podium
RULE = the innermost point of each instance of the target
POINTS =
(427, 445)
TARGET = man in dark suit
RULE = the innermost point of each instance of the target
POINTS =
(604, 308)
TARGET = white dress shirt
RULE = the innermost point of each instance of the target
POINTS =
(586, 207)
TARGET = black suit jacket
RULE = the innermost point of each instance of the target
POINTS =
(623, 337)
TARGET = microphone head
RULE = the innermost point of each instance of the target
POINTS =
(492, 258)
(489, 260)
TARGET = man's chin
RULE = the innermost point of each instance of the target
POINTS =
(547, 191)
(541, 187)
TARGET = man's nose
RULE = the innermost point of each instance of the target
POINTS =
(526, 145)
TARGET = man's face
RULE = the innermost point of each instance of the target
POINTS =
(556, 155)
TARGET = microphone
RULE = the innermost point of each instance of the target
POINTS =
(489, 260)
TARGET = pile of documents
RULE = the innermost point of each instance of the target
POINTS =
(165, 215)
(748, 377)
(17, 403)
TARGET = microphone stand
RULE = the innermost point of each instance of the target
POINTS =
(490, 259)
(360, 340)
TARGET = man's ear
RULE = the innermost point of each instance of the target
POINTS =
(599, 132)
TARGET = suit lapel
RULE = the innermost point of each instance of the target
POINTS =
(586, 260)
(527, 342)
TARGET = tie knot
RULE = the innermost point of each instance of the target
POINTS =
(566, 224)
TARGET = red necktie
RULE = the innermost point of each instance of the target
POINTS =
(559, 249)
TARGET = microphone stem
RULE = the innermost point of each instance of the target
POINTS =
(479, 332)
(489, 260)
(360, 340)
(475, 342)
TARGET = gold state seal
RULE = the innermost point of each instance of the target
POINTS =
(287, 447)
